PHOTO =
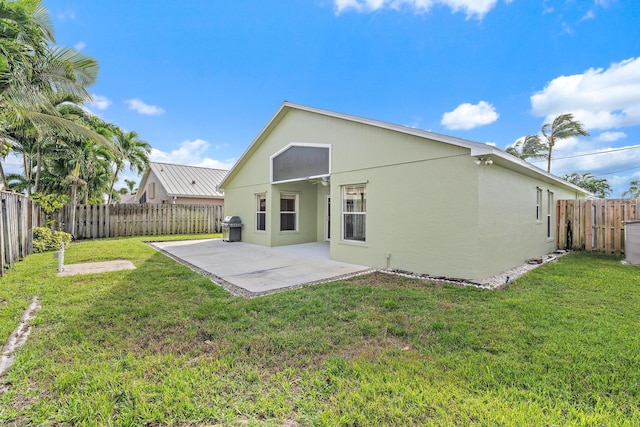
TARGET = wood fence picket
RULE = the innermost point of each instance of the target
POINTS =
(125, 220)
(18, 216)
(596, 225)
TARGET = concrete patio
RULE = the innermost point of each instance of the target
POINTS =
(252, 270)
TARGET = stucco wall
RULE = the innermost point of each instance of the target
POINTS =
(509, 233)
(197, 201)
(430, 209)
(160, 193)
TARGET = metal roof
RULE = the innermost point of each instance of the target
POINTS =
(188, 181)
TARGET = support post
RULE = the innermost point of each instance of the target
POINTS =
(61, 259)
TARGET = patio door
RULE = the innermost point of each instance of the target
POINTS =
(327, 218)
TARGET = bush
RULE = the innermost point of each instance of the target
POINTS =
(45, 239)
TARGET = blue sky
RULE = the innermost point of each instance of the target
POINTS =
(199, 79)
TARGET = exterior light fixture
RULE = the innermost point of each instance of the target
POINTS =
(479, 160)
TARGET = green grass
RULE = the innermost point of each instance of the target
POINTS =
(162, 345)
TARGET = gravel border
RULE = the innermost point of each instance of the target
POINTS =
(490, 283)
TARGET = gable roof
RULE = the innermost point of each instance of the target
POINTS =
(186, 181)
(478, 149)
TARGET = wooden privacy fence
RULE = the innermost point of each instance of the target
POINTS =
(98, 221)
(594, 225)
(16, 228)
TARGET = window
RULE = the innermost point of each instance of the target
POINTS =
(354, 212)
(300, 161)
(143, 198)
(538, 204)
(151, 190)
(549, 214)
(261, 212)
(288, 212)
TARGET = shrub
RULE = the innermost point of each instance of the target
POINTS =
(45, 239)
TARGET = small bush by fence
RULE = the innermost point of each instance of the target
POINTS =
(98, 221)
(17, 219)
(594, 225)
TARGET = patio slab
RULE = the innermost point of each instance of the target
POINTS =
(254, 270)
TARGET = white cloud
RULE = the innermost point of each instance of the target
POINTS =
(469, 116)
(599, 98)
(79, 46)
(492, 144)
(610, 136)
(587, 16)
(607, 160)
(67, 15)
(472, 8)
(100, 102)
(191, 153)
(566, 29)
(142, 108)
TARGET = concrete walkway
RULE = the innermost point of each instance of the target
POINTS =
(252, 270)
(96, 267)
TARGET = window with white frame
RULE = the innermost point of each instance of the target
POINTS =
(288, 212)
(549, 214)
(261, 212)
(538, 204)
(354, 212)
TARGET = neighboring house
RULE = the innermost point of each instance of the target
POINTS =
(182, 185)
(127, 199)
(390, 196)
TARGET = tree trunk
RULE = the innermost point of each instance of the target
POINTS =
(74, 195)
(113, 184)
(26, 164)
(38, 167)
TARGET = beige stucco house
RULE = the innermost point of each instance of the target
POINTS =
(167, 183)
(389, 196)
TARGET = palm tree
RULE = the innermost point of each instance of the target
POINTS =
(131, 186)
(81, 164)
(634, 190)
(529, 147)
(25, 34)
(598, 186)
(130, 149)
(564, 126)
(32, 69)
(34, 75)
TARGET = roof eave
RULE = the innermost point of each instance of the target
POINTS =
(265, 130)
(142, 184)
(475, 148)
(195, 196)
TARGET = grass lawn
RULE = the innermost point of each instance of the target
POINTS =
(162, 345)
